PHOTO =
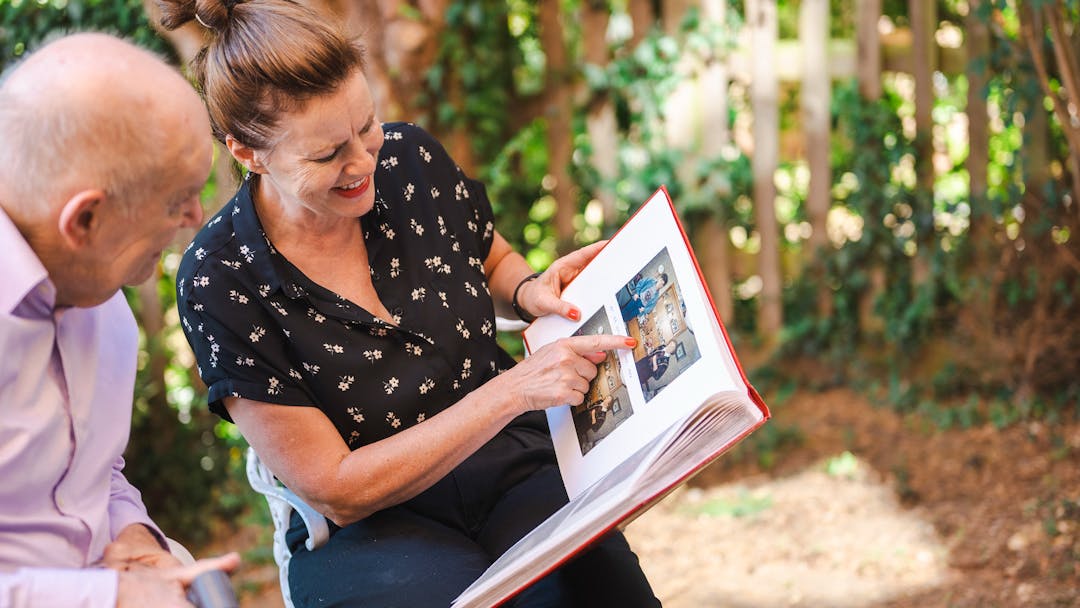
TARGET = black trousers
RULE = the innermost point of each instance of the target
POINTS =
(425, 552)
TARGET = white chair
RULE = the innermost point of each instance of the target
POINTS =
(282, 502)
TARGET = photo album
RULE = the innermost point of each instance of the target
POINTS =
(654, 415)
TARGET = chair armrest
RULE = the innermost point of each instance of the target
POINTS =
(264, 482)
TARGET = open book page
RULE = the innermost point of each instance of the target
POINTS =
(645, 283)
(642, 479)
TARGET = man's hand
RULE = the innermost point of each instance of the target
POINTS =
(166, 587)
(137, 547)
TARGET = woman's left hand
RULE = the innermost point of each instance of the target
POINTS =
(543, 295)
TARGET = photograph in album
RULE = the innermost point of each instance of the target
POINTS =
(607, 404)
(652, 306)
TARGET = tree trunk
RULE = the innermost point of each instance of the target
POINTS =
(817, 122)
(600, 123)
(643, 17)
(977, 41)
(868, 43)
(716, 252)
(761, 18)
(557, 113)
(924, 53)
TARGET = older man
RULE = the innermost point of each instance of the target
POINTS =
(103, 152)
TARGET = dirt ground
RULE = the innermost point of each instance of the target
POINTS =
(866, 509)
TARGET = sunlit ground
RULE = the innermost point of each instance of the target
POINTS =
(833, 535)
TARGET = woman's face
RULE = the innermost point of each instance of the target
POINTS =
(324, 157)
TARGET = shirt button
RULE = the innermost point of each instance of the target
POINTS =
(397, 311)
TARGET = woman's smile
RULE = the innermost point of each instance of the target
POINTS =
(353, 189)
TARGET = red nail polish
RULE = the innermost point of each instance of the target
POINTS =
(631, 342)
(574, 315)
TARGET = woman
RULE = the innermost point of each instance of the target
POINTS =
(341, 308)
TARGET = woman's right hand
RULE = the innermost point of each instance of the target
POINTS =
(559, 373)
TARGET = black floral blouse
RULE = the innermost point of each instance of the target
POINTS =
(262, 330)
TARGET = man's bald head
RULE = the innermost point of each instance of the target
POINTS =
(103, 152)
(88, 111)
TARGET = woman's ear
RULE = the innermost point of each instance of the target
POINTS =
(245, 155)
(80, 217)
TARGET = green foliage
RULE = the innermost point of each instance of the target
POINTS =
(25, 23)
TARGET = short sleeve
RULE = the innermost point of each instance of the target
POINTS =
(239, 348)
(479, 207)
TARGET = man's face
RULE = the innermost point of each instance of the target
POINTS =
(135, 242)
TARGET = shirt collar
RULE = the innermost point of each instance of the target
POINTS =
(25, 279)
(273, 270)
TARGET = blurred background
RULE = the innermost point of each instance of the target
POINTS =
(881, 195)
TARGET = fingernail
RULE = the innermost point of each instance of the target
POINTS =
(631, 342)
(574, 314)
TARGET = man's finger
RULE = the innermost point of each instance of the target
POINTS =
(226, 563)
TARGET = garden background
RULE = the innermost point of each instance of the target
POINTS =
(882, 195)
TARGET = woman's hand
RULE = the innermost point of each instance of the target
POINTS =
(543, 295)
(560, 372)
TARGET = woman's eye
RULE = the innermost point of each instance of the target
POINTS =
(328, 158)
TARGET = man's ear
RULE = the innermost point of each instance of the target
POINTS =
(81, 217)
(244, 155)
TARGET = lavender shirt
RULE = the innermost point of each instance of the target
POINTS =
(66, 382)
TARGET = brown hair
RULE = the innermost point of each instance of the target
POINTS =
(263, 58)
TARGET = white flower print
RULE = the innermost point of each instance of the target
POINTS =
(417, 228)
(315, 315)
(387, 231)
(280, 309)
(434, 192)
(334, 348)
(426, 386)
(311, 368)
(233, 265)
(489, 229)
(395, 268)
(397, 319)
(214, 221)
(442, 225)
(198, 307)
(380, 332)
(390, 385)
(295, 374)
(460, 191)
(424, 154)
(264, 290)
(389, 162)
(392, 419)
(472, 226)
(442, 296)
(456, 385)
(353, 437)
(237, 297)
(408, 192)
(373, 355)
(201, 281)
(433, 263)
(486, 328)
(456, 247)
(466, 369)
(274, 387)
(256, 333)
(346, 383)
(464, 331)
(476, 263)
(421, 417)
(470, 289)
(413, 349)
(245, 361)
(419, 294)
(249, 255)
(356, 414)
(200, 253)
(395, 135)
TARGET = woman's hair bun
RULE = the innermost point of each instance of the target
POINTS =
(211, 14)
